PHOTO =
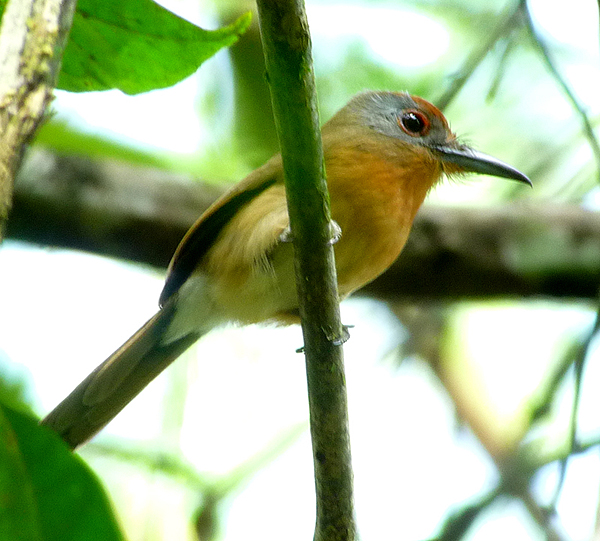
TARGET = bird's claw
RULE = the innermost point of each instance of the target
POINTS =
(336, 340)
(335, 233)
(344, 337)
(286, 235)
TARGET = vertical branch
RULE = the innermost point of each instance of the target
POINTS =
(287, 48)
(32, 37)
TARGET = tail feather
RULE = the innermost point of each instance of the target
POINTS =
(113, 384)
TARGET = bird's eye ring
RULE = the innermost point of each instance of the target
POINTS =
(414, 123)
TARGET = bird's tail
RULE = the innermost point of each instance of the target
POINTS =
(113, 384)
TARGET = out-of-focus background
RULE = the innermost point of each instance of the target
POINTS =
(461, 401)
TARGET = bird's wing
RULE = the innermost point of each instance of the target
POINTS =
(205, 231)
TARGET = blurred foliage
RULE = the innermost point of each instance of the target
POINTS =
(528, 422)
(211, 491)
(65, 140)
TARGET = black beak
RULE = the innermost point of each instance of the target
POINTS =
(471, 161)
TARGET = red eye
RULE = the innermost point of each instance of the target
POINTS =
(414, 123)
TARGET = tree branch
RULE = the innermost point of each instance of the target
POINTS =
(287, 48)
(105, 207)
(141, 214)
(32, 38)
(520, 251)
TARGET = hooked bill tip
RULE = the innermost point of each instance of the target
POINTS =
(472, 161)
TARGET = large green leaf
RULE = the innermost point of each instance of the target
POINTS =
(136, 46)
(46, 492)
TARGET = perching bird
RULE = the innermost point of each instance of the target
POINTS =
(383, 152)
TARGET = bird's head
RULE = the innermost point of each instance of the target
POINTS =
(420, 125)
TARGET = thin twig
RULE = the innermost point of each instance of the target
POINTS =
(458, 523)
(579, 365)
(543, 517)
(516, 482)
(562, 83)
(534, 455)
(287, 48)
(476, 57)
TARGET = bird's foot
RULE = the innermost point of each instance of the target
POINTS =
(344, 337)
(336, 340)
(286, 235)
(335, 233)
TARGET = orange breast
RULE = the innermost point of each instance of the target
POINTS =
(374, 199)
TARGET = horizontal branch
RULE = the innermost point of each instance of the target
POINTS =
(140, 215)
(105, 207)
(510, 250)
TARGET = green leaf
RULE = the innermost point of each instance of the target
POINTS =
(46, 492)
(136, 46)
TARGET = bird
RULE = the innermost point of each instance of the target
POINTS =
(383, 152)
